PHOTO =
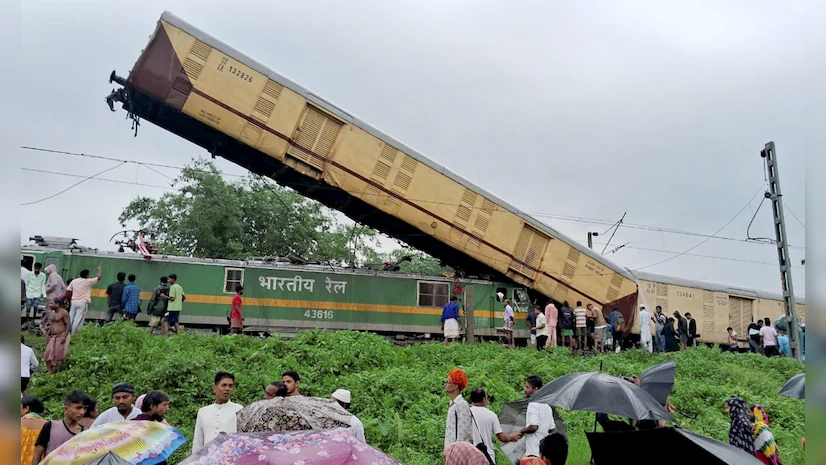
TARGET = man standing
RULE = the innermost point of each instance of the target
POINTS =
(541, 328)
(35, 290)
(450, 320)
(590, 324)
(508, 325)
(539, 421)
(123, 398)
(175, 305)
(81, 289)
(293, 382)
(692, 330)
(157, 304)
(581, 326)
(645, 330)
(56, 432)
(551, 317)
(682, 329)
(617, 329)
(566, 324)
(113, 298)
(459, 422)
(659, 323)
(769, 337)
(486, 423)
(342, 396)
(28, 364)
(600, 330)
(131, 299)
(58, 344)
(530, 319)
(783, 345)
(236, 319)
(754, 336)
(219, 417)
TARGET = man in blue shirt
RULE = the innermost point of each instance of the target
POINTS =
(783, 344)
(130, 299)
(450, 320)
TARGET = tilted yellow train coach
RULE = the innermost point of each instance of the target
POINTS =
(205, 91)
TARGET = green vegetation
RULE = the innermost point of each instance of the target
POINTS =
(397, 392)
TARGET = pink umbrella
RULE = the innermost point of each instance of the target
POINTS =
(328, 447)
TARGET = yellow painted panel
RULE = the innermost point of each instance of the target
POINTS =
(232, 82)
(181, 41)
(214, 115)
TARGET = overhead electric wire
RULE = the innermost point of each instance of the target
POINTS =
(715, 257)
(117, 181)
(708, 238)
(72, 186)
(795, 216)
(432, 202)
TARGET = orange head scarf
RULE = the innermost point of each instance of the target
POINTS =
(458, 377)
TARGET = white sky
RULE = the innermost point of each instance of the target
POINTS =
(576, 109)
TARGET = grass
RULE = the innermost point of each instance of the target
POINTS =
(397, 392)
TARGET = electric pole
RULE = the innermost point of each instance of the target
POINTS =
(769, 155)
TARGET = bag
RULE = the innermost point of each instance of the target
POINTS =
(620, 326)
(481, 446)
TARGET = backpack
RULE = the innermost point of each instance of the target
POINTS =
(620, 326)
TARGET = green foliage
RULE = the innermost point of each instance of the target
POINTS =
(397, 392)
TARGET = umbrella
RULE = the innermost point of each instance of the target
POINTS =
(328, 447)
(513, 419)
(108, 459)
(600, 392)
(292, 414)
(137, 442)
(795, 387)
(674, 446)
(659, 379)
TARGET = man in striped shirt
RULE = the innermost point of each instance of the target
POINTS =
(581, 328)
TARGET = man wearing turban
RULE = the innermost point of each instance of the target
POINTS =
(459, 423)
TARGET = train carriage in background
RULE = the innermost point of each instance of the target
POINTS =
(284, 298)
(205, 91)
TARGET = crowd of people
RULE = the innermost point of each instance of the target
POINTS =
(40, 436)
(588, 329)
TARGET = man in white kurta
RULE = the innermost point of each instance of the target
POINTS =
(219, 417)
(356, 426)
(645, 330)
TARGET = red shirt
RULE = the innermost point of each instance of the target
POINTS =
(236, 307)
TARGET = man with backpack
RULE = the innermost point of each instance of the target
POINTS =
(157, 304)
(617, 329)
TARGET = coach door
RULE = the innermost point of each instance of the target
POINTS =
(740, 314)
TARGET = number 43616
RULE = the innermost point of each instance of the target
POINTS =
(319, 314)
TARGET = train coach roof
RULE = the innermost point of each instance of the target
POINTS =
(716, 287)
(350, 118)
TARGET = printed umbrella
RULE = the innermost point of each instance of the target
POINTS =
(329, 447)
(513, 419)
(108, 459)
(137, 442)
(659, 379)
(674, 446)
(602, 393)
(795, 387)
(292, 414)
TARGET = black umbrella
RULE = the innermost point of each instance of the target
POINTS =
(602, 393)
(659, 379)
(795, 387)
(513, 419)
(109, 459)
(674, 446)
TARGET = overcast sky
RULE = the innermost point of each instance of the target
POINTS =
(566, 108)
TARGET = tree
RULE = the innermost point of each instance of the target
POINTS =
(209, 217)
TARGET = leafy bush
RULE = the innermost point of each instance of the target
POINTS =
(397, 392)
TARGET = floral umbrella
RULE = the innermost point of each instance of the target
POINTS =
(137, 442)
(329, 447)
(292, 414)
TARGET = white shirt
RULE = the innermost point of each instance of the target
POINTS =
(213, 420)
(24, 273)
(541, 321)
(542, 416)
(357, 429)
(769, 336)
(488, 426)
(28, 361)
(113, 416)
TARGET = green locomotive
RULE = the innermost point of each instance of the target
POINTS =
(285, 297)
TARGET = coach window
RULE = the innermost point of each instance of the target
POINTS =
(232, 278)
(27, 261)
(433, 294)
(52, 261)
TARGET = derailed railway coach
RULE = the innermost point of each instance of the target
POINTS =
(203, 90)
(283, 298)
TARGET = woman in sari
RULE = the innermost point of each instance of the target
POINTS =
(740, 431)
(30, 425)
(765, 448)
